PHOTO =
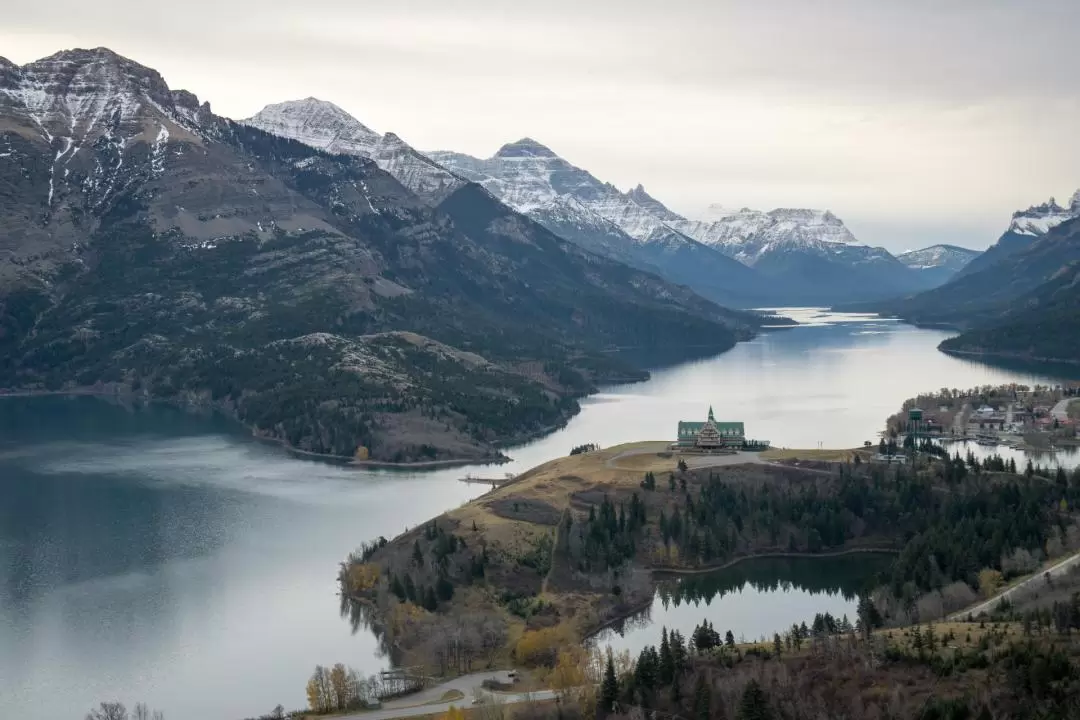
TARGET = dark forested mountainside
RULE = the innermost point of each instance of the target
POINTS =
(980, 297)
(1042, 325)
(149, 246)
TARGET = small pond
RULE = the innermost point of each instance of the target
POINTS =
(754, 599)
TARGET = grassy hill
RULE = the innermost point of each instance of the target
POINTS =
(571, 545)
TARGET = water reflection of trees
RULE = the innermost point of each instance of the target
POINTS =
(629, 624)
(847, 576)
(361, 616)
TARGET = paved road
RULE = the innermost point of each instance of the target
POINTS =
(1040, 577)
(1061, 410)
(427, 702)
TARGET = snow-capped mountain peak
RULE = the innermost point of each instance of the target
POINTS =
(951, 257)
(324, 125)
(748, 234)
(654, 206)
(317, 123)
(525, 148)
(108, 121)
(79, 95)
(1039, 219)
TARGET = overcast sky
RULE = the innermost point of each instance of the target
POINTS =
(913, 122)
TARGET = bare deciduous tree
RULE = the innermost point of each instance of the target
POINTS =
(108, 711)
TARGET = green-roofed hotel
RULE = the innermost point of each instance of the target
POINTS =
(710, 434)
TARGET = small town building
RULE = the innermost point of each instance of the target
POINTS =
(710, 434)
(986, 422)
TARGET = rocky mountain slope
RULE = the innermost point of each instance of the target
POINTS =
(571, 202)
(325, 126)
(996, 280)
(939, 263)
(151, 247)
(798, 256)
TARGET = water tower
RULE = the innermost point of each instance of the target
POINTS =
(915, 426)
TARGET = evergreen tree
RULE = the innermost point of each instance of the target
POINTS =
(417, 554)
(729, 639)
(667, 661)
(868, 616)
(431, 603)
(754, 704)
(444, 589)
(679, 652)
(778, 644)
(609, 688)
(702, 699)
(397, 588)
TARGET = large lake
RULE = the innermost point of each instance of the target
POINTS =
(155, 556)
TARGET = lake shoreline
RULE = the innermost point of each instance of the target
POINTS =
(192, 403)
(128, 396)
(1004, 355)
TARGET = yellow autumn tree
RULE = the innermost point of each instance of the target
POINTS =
(339, 684)
(362, 577)
(538, 647)
(570, 672)
(453, 713)
(989, 581)
(319, 691)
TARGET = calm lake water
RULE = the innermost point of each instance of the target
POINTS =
(154, 556)
(753, 599)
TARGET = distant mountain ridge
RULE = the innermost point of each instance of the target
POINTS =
(990, 287)
(571, 202)
(798, 256)
(939, 262)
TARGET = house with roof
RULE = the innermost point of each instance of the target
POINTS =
(710, 434)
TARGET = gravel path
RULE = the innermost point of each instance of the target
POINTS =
(693, 461)
(426, 701)
(986, 607)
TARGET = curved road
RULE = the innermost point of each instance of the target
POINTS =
(427, 702)
(1060, 411)
(987, 606)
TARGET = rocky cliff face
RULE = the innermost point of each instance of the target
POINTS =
(149, 245)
